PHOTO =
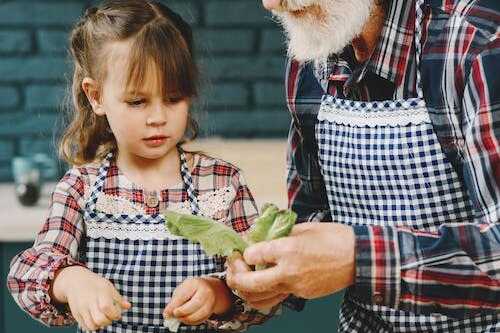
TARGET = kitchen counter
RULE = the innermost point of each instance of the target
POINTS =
(20, 223)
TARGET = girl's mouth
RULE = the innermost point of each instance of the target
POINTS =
(156, 140)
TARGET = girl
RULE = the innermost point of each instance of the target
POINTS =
(104, 257)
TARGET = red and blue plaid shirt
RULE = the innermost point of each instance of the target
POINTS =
(58, 243)
(456, 271)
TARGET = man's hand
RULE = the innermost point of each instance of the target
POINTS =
(257, 300)
(317, 259)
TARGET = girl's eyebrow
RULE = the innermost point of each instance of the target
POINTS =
(136, 93)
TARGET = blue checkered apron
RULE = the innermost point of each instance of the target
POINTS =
(383, 165)
(142, 259)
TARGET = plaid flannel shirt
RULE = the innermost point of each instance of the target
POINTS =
(57, 244)
(456, 271)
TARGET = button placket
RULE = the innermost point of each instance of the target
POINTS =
(152, 200)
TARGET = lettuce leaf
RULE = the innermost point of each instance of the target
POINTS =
(218, 239)
(214, 237)
(259, 230)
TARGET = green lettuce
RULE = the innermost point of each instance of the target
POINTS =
(218, 239)
(214, 237)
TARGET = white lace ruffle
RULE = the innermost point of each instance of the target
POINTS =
(371, 114)
(373, 119)
(112, 204)
(210, 203)
(132, 231)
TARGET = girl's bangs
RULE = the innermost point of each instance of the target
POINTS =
(159, 49)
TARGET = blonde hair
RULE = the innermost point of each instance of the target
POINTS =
(158, 36)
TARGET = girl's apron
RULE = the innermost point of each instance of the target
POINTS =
(383, 165)
(141, 258)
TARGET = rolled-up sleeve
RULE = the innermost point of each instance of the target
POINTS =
(56, 246)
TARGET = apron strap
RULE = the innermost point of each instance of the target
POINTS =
(419, 23)
(99, 182)
(188, 182)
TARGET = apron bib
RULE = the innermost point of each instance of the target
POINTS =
(141, 258)
(383, 165)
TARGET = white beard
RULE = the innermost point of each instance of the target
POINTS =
(311, 39)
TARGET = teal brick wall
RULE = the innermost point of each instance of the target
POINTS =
(240, 52)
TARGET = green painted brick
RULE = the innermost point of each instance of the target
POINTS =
(52, 41)
(40, 144)
(6, 150)
(236, 12)
(9, 98)
(33, 68)
(15, 41)
(27, 123)
(40, 12)
(5, 171)
(226, 94)
(187, 9)
(225, 40)
(269, 94)
(44, 96)
(244, 68)
(273, 41)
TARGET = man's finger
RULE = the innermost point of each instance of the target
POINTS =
(257, 297)
(302, 227)
(268, 303)
(256, 282)
(236, 264)
(265, 252)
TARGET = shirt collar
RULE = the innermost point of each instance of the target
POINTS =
(391, 56)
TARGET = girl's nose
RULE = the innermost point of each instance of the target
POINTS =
(271, 4)
(157, 117)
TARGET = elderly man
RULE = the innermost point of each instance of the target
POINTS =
(395, 138)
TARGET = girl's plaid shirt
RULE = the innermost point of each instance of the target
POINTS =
(56, 245)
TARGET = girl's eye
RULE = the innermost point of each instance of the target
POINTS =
(174, 100)
(136, 102)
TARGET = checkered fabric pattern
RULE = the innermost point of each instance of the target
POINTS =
(413, 273)
(144, 270)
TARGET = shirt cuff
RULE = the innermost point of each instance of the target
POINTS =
(54, 314)
(378, 266)
(241, 315)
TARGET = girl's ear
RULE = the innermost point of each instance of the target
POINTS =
(91, 89)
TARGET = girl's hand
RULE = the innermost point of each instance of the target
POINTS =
(93, 300)
(196, 299)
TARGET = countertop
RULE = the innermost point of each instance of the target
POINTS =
(262, 161)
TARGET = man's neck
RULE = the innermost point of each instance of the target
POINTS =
(365, 43)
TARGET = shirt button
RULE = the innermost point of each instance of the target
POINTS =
(152, 200)
(378, 299)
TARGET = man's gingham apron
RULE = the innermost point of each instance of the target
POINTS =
(141, 258)
(383, 165)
